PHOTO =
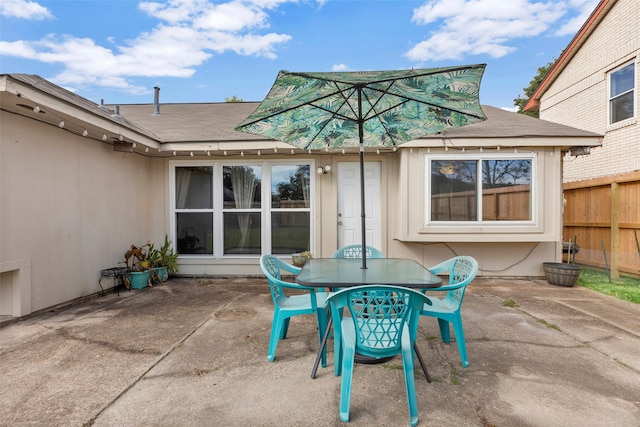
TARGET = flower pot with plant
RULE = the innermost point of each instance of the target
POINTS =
(300, 259)
(164, 261)
(137, 262)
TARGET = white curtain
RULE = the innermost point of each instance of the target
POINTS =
(183, 177)
(305, 190)
(244, 187)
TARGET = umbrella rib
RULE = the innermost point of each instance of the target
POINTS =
(407, 99)
(333, 113)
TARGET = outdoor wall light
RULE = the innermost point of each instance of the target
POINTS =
(580, 151)
(321, 170)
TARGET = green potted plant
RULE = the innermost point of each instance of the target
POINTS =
(167, 260)
(137, 261)
(301, 259)
(158, 272)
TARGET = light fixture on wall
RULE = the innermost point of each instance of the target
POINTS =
(580, 151)
(321, 170)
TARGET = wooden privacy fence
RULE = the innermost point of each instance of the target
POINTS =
(511, 203)
(603, 215)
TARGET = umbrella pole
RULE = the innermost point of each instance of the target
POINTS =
(362, 212)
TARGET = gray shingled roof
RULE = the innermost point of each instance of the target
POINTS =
(505, 124)
(215, 122)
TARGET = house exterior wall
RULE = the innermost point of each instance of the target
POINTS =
(501, 250)
(579, 96)
(69, 207)
(507, 252)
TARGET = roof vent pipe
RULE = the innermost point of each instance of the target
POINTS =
(103, 107)
(156, 101)
(116, 114)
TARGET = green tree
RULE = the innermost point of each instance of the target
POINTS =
(520, 101)
(233, 99)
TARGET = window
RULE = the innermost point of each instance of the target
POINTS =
(290, 213)
(242, 209)
(622, 93)
(194, 209)
(234, 209)
(485, 189)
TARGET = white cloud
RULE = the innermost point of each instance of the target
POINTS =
(512, 109)
(24, 9)
(189, 33)
(340, 67)
(585, 7)
(472, 27)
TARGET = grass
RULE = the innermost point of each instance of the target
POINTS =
(548, 325)
(510, 303)
(624, 288)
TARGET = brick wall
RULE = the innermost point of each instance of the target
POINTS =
(578, 97)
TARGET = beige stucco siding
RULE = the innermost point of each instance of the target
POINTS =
(579, 97)
(71, 206)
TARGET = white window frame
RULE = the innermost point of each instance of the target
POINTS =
(218, 202)
(610, 98)
(479, 157)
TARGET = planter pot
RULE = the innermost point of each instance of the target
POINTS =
(298, 260)
(139, 279)
(160, 274)
(561, 274)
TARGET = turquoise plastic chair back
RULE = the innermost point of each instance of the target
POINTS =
(286, 306)
(355, 252)
(382, 322)
(462, 270)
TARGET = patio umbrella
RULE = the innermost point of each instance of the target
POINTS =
(324, 110)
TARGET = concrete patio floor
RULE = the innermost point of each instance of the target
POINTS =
(192, 352)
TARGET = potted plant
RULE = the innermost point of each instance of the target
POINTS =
(563, 274)
(137, 261)
(164, 261)
(300, 259)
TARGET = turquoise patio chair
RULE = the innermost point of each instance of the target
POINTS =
(310, 301)
(462, 270)
(352, 252)
(355, 252)
(383, 322)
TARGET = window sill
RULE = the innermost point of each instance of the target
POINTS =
(622, 124)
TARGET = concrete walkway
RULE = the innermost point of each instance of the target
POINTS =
(192, 352)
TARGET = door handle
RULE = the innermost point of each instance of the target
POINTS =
(339, 222)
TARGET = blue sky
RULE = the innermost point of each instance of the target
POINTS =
(206, 51)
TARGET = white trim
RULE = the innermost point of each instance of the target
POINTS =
(621, 123)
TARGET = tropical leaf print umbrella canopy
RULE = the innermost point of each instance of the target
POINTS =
(323, 110)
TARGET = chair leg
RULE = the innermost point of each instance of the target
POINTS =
(285, 329)
(462, 347)
(337, 348)
(444, 330)
(322, 327)
(348, 355)
(410, 383)
(277, 325)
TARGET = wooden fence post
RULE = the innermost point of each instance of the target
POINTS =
(615, 229)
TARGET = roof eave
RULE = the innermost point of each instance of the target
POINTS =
(598, 14)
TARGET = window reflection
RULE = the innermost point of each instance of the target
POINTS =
(290, 186)
(290, 193)
(505, 190)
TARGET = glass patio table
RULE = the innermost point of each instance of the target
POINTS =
(341, 273)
